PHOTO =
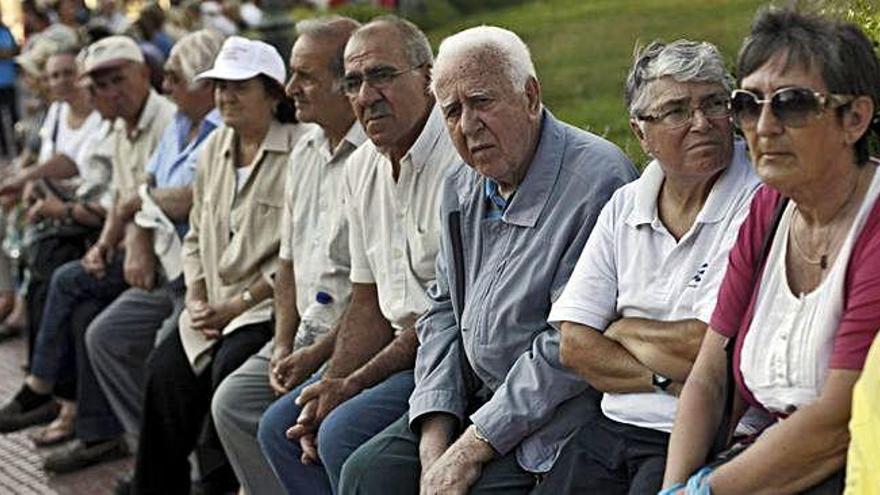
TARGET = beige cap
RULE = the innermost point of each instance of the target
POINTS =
(111, 52)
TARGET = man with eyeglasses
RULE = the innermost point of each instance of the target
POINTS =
(635, 310)
(392, 191)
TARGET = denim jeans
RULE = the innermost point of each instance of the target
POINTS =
(345, 429)
(70, 286)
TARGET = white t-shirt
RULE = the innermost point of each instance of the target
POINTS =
(58, 137)
(632, 267)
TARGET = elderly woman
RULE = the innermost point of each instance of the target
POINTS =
(800, 302)
(229, 258)
(637, 305)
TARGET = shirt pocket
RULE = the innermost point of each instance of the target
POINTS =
(423, 248)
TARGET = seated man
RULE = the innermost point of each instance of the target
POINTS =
(115, 66)
(392, 193)
(490, 395)
(637, 305)
(312, 285)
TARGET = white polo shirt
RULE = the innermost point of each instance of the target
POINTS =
(394, 227)
(632, 267)
(311, 234)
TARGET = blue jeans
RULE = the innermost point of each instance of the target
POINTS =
(70, 287)
(342, 432)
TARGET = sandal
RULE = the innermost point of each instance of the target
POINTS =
(58, 431)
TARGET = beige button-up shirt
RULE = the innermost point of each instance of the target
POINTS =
(394, 227)
(132, 150)
(234, 237)
(313, 234)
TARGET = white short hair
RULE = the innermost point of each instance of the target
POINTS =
(506, 48)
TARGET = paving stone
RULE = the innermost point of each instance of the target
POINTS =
(21, 470)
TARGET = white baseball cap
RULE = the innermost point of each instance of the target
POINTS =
(110, 52)
(241, 58)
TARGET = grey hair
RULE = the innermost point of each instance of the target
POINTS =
(195, 53)
(329, 29)
(682, 60)
(487, 44)
(416, 44)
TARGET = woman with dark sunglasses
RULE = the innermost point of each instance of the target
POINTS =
(800, 302)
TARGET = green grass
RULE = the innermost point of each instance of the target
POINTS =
(582, 48)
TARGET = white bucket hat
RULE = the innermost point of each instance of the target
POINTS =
(241, 58)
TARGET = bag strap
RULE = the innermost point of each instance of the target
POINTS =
(472, 382)
(722, 436)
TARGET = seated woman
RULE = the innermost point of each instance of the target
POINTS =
(229, 259)
(637, 305)
(64, 222)
(801, 297)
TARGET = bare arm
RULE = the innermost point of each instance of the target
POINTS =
(364, 332)
(437, 431)
(667, 347)
(799, 452)
(399, 355)
(602, 362)
(174, 201)
(57, 167)
(286, 314)
(699, 411)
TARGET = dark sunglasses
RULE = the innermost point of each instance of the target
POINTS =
(794, 106)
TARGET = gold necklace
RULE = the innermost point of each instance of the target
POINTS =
(822, 258)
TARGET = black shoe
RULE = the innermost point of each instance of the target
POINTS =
(79, 455)
(14, 416)
(124, 484)
(8, 332)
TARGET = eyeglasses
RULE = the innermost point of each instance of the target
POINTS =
(794, 106)
(378, 78)
(713, 107)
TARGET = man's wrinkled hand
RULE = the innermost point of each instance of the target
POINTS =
(309, 445)
(317, 401)
(293, 369)
(452, 474)
(96, 259)
(139, 269)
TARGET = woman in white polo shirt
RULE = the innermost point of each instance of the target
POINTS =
(637, 305)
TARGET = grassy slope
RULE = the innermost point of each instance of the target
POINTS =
(582, 48)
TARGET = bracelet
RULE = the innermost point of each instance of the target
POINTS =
(479, 436)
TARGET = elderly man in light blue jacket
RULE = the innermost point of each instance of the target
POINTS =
(492, 406)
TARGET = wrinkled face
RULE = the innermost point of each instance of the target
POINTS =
(243, 103)
(697, 149)
(125, 87)
(61, 76)
(494, 127)
(188, 96)
(312, 85)
(792, 158)
(392, 115)
(102, 105)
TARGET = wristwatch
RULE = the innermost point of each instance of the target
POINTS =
(248, 297)
(660, 382)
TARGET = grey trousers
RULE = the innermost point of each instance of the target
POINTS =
(237, 406)
(121, 338)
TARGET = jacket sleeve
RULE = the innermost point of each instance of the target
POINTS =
(440, 385)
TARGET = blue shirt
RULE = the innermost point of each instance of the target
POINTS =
(7, 66)
(492, 296)
(173, 164)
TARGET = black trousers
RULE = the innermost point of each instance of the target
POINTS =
(8, 118)
(177, 409)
